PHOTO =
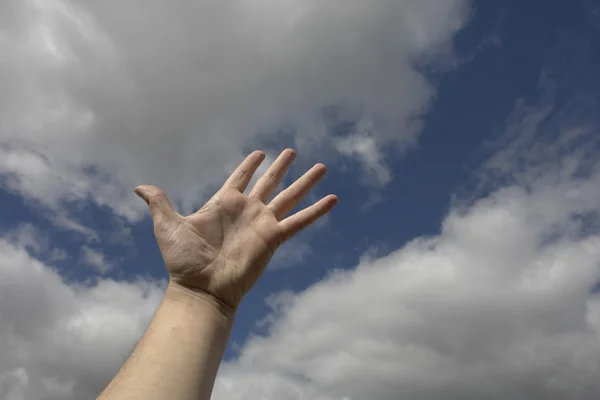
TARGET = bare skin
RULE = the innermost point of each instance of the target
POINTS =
(213, 257)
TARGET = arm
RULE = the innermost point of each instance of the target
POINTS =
(179, 354)
(213, 257)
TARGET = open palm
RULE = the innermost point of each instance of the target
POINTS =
(223, 248)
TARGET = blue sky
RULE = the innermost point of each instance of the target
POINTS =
(497, 89)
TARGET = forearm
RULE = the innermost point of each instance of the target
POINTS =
(178, 355)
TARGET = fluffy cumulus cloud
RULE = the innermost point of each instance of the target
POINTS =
(492, 308)
(61, 341)
(100, 96)
(500, 304)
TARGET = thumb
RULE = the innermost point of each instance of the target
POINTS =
(157, 200)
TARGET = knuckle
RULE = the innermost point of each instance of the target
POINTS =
(242, 174)
(156, 198)
(270, 176)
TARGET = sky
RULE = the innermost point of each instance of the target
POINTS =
(461, 137)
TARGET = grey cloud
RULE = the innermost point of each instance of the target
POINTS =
(172, 94)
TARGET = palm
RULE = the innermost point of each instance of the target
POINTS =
(205, 251)
(224, 247)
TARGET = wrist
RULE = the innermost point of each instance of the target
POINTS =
(192, 297)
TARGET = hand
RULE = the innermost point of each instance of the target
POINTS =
(221, 250)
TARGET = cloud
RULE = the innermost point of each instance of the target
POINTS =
(95, 259)
(364, 147)
(498, 305)
(26, 236)
(101, 96)
(62, 341)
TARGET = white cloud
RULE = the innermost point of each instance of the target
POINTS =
(363, 145)
(485, 310)
(101, 96)
(60, 341)
(95, 259)
(28, 237)
(498, 305)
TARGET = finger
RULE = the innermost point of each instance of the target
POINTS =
(157, 200)
(266, 185)
(240, 178)
(288, 199)
(297, 222)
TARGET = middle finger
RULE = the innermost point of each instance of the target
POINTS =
(266, 185)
